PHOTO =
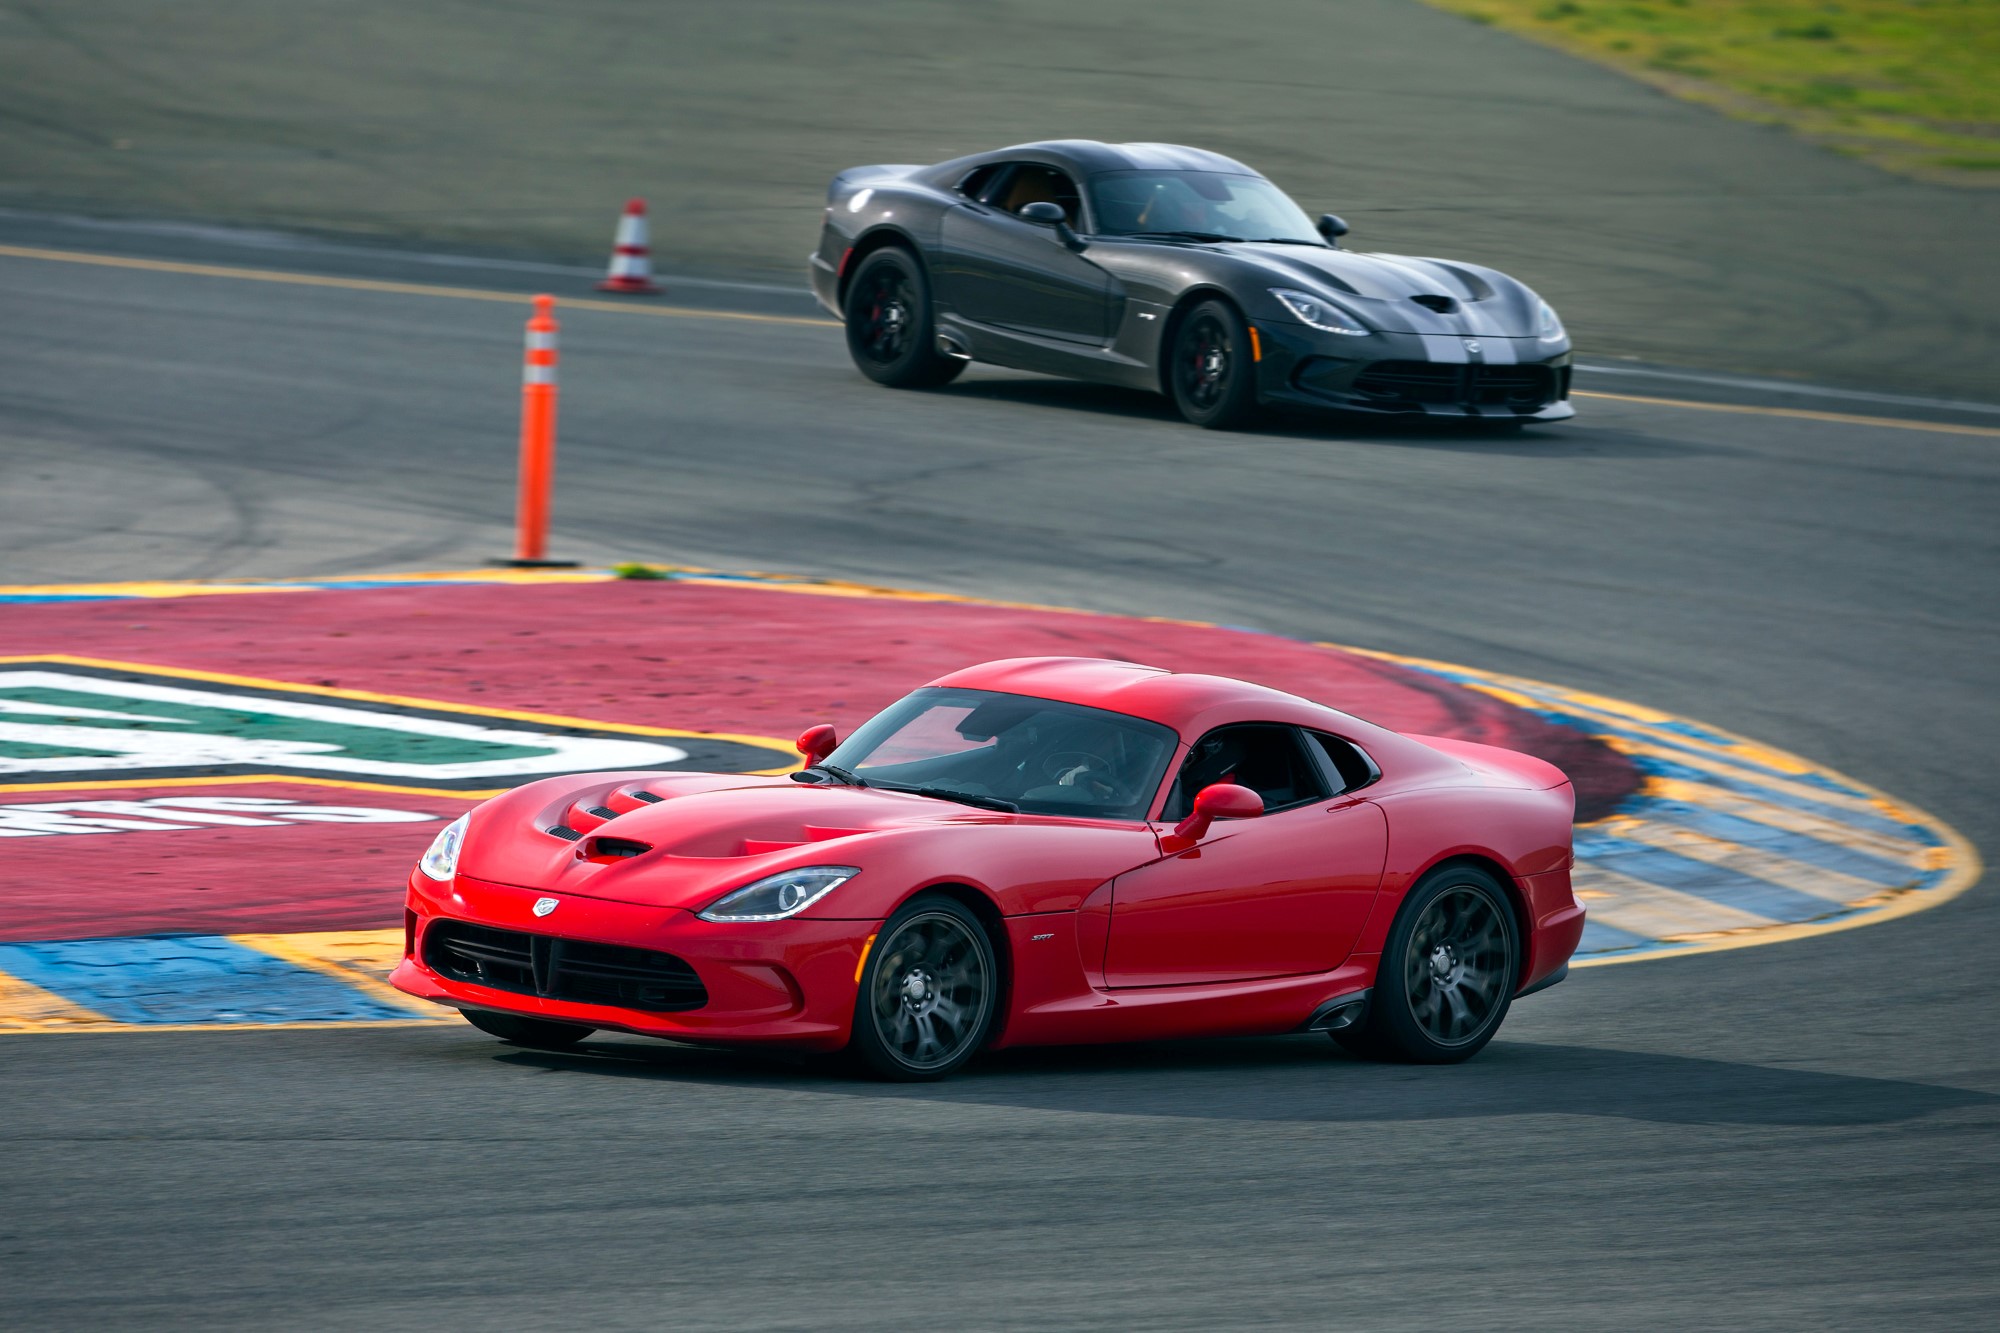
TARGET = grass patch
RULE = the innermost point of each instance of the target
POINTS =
(1911, 85)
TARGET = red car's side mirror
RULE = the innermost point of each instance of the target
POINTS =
(1224, 800)
(816, 743)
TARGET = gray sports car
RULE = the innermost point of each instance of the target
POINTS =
(1174, 269)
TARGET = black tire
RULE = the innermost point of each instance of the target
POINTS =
(1448, 972)
(1211, 373)
(929, 991)
(891, 329)
(537, 1032)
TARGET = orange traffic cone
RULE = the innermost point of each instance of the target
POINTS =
(631, 265)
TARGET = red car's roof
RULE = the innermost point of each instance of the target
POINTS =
(1185, 702)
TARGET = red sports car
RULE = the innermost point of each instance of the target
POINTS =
(1031, 852)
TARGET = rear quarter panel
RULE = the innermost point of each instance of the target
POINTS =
(1526, 832)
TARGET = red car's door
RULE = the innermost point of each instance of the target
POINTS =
(1280, 895)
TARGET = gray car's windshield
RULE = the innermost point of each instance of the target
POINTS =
(1196, 205)
(1011, 751)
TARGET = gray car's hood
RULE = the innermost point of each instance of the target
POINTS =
(1379, 288)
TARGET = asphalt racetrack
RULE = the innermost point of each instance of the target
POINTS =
(1799, 1135)
(1658, 228)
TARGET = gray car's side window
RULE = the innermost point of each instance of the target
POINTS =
(981, 179)
(1032, 183)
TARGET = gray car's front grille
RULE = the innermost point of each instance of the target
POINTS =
(1523, 388)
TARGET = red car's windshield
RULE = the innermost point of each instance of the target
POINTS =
(1037, 755)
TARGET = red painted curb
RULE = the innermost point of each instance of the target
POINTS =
(745, 658)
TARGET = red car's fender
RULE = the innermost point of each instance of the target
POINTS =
(1510, 812)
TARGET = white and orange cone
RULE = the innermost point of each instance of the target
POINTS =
(631, 263)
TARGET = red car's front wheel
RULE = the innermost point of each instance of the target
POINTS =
(928, 991)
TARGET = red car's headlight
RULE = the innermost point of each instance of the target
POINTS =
(775, 897)
(441, 861)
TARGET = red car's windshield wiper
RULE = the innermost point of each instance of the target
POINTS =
(1185, 235)
(840, 775)
(953, 794)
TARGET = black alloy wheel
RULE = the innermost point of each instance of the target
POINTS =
(1211, 370)
(928, 992)
(891, 331)
(1447, 975)
(537, 1032)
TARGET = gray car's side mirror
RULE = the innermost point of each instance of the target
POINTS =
(1043, 213)
(1333, 228)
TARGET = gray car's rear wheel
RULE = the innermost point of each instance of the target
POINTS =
(891, 332)
(928, 991)
(1447, 974)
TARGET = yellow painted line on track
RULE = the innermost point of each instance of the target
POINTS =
(25, 1007)
(1797, 414)
(249, 779)
(808, 321)
(361, 959)
(393, 288)
(1814, 881)
(403, 701)
(1791, 819)
(1654, 910)
(127, 1029)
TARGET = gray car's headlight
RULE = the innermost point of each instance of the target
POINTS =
(778, 896)
(1319, 312)
(1547, 327)
(441, 861)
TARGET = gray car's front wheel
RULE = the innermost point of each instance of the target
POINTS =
(1212, 368)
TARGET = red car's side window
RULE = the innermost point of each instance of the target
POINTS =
(1266, 757)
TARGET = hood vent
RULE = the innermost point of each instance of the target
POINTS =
(614, 849)
(1444, 305)
(647, 797)
(565, 832)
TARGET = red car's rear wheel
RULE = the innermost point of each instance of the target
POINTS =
(928, 991)
(1447, 974)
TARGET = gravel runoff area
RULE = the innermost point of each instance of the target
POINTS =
(1662, 230)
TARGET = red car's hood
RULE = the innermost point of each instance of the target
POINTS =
(711, 833)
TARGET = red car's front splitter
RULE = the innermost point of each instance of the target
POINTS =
(789, 983)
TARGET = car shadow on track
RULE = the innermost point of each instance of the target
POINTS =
(1307, 1079)
(1539, 440)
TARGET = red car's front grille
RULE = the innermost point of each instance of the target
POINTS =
(559, 969)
